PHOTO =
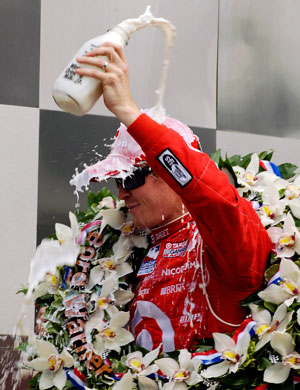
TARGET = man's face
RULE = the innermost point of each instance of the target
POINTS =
(151, 204)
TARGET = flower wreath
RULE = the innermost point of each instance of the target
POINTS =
(81, 338)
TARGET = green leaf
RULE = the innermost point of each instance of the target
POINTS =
(263, 363)
(246, 160)
(22, 290)
(270, 306)
(271, 271)
(287, 170)
(91, 199)
(252, 298)
(266, 155)
(216, 157)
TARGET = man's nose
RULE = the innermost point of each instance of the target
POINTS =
(123, 194)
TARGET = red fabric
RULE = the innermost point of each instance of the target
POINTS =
(236, 247)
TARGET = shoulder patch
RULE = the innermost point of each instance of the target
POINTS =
(174, 166)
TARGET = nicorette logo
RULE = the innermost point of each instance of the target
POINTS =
(179, 270)
(179, 172)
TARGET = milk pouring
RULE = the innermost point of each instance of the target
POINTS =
(77, 94)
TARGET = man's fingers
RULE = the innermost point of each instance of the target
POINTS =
(95, 61)
(113, 53)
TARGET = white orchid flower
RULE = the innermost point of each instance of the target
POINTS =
(50, 284)
(112, 335)
(287, 239)
(141, 366)
(289, 287)
(250, 179)
(52, 364)
(126, 383)
(234, 354)
(292, 196)
(266, 325)
(247, 177)
(107, 202)
(181, 375)
(104, 302)
(279, 372)
(66, 234)
(112, 217)
(123, 247)
(272, 210)
(106, 267)
(51, 254)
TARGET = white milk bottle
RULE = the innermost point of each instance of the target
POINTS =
(77, 94)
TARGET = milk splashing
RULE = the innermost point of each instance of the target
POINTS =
(82, 180)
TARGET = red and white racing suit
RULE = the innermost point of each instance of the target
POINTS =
(170, 304)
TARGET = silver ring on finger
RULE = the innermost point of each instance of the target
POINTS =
(105, 65)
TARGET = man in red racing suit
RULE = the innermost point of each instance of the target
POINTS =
(201, 265)
(213, 251)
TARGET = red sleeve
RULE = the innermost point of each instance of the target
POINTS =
(231, 229)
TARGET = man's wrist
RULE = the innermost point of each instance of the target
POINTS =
(128, 115)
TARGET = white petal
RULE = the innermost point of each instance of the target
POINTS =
(283, 324)
(280, 313)
(150, 370)
(98, 345)
(120, 320)
(295, 207)
(282, 343)
(289, 270)
(150, 356)
(274, 294)
(254, 164)
(44, 348)
(298, 316)
(126, 383)
(184, 359)
(74, 224)
(146, 383)
(263, 341)
(124, 337)
(112, 217)
(63, 232)
(109, 285)
(46, 380)
(95, 277)
(122, 248)
(41, 290)
(139, 241)
(123, 296)
(216, 370)
(193, 379)
(289, 224)
(123, 269)
(274, 234)
(67, 358)
(222, 342)
(60, 379)
(167, 365)
(95, 322)
(39, 364)
(276, 373)
(242, 346)
(260, 315)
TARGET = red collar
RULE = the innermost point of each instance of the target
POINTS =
(160, 233)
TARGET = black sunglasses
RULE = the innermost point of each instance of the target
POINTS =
(135, 180)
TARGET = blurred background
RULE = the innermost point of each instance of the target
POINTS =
(232, 78)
